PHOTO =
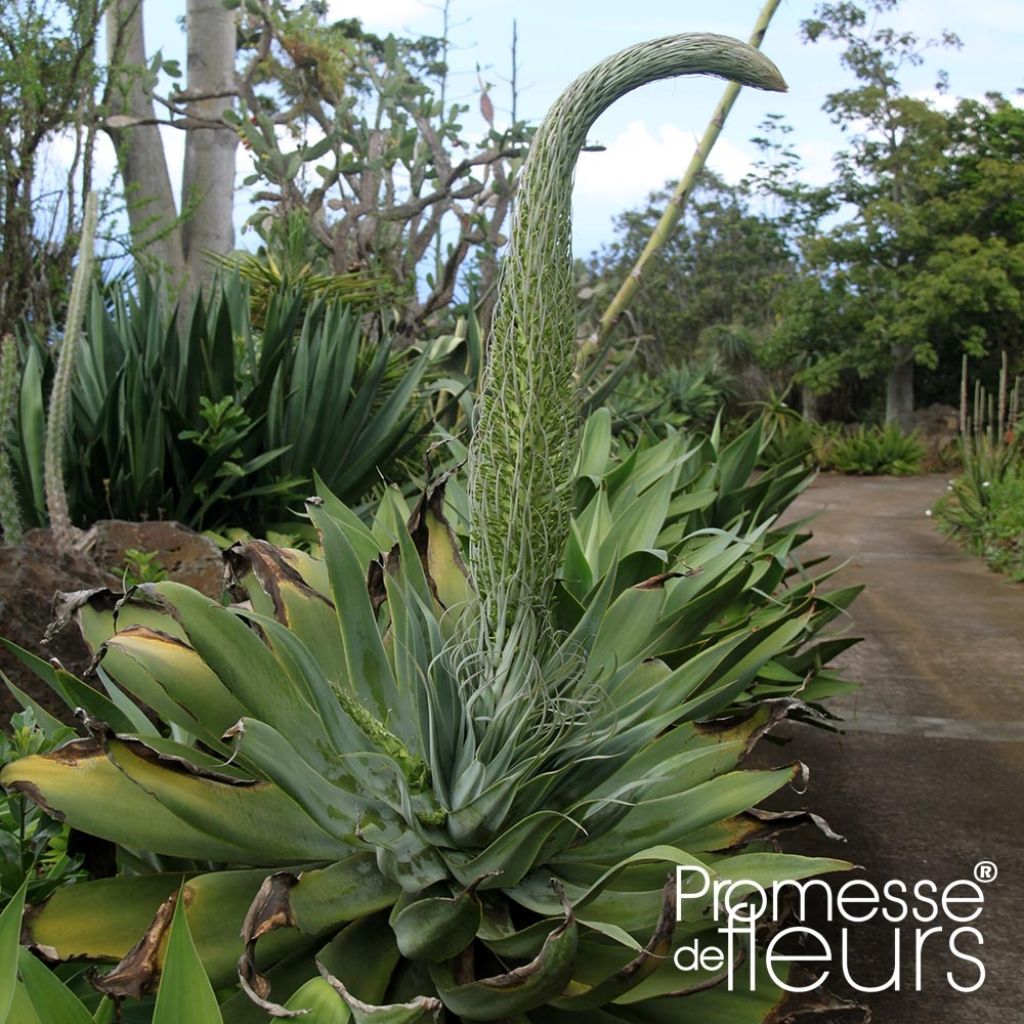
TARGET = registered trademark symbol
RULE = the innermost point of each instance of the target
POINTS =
(985, 871)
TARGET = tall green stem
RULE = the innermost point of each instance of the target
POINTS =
(10, 514)
(525, 444)
(60, 397)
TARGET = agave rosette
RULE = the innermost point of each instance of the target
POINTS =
(397, 789)
(322, 728)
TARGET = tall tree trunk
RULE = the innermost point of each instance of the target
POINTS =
(809, 404)
(899, 392)
(208, 180)
(152, 216)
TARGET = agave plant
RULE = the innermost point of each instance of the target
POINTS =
(451, 787)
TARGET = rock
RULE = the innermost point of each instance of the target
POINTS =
(32, 574)
(186, 556)
(937, 427)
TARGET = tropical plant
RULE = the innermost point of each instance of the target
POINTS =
(689, 395)
(981, 505)
(290, 258)
(416, 752)
(872, 451)
(988, 515)
(140, 567)
(667, 654)
(33, 844)
(791, 441)
(222, 422)
(59, 409)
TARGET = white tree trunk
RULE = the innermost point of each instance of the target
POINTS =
(152, 216)
(208, 179)
(809, 404)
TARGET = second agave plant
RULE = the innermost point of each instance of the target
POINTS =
(396, 783)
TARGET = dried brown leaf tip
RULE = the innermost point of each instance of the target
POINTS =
(271, 909)
(137, 972)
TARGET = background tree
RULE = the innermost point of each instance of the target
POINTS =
(887, 175)
(934, 276)
(162, 235)
(353, 131)
(800, 309)
(48, 78)
(717, 277)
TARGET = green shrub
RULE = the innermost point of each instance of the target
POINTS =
(221, 422)
(33, 845)
(679, 397)
(789, 439)
(984, 505)
(283, 753)
(1002, 537)
(872, 451)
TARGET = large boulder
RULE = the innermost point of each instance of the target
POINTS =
(32, 574)
(186, 556)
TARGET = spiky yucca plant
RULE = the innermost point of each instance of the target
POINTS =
(429, 790)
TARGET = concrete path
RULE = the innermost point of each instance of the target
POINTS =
(928, 779)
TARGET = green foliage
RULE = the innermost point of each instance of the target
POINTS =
(220, 422)
(1000, 538)
(836, 447)
(291, 258)
(432, 809)
(793, 438)
(686, 396)
(140, 567)
(31, 994)
(929, 264)
(872, 451)
(984, 505)
(49, 79)
(716, 278)
(33, 845)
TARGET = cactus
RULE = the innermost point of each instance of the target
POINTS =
(10, 514)
(60, 397)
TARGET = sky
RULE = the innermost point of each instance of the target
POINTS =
(650, 135)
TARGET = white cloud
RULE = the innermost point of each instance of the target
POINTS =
(387, 15)
(817, 157)
(414, 16)
(642, 158)
(947, 102)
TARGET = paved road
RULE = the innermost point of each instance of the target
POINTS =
(928, 778)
